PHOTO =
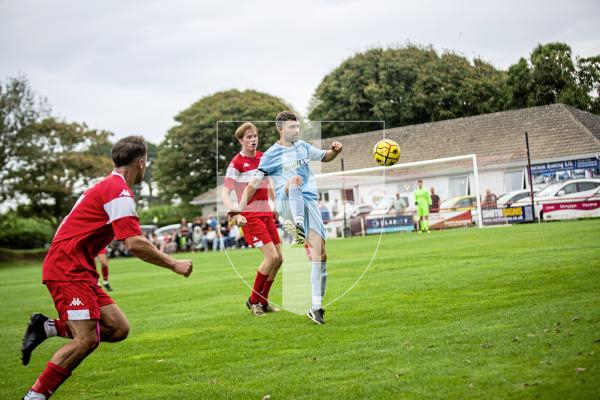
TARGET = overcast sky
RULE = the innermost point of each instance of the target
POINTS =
(131, 66)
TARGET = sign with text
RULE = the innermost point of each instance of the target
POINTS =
(386, 224)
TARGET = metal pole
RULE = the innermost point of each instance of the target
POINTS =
(343, 200)
(477, 195)
(529, 175)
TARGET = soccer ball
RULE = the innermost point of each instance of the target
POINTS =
(386, 152)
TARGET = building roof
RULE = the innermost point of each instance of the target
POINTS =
(555, 131)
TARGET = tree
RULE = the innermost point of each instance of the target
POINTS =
(54, 166)
(406, 85)
(520, 83)
(186, 163)
(19, 107)
(551, 76)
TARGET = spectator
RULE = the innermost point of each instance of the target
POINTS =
(398, 205)
(209, 238)
(435, 201)
(490, 200)
(197, 238)
(219, 241)
(335, 209)
(155, 241)
(183, 242)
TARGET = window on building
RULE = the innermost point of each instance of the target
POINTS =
(458, 186)
(513, 180)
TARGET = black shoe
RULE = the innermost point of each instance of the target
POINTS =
(317, 316)
(248, 304)
(107, 287)
(34, 335)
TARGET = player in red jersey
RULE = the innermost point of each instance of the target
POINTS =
(260, 230)
(87, 315)
(103, 260)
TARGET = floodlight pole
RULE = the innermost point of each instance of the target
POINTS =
(529, 174)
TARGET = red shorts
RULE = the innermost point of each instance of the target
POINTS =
(103, 251)
(259, 231)
(78, 300)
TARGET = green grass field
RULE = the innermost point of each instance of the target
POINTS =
(498, 313)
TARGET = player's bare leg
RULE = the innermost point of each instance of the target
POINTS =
(318, 256)
(114, 326)
(293, 189)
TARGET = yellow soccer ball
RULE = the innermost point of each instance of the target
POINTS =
(386, 152)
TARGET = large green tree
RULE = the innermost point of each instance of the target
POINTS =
(54, 166)
(19, 106)
(186, 164)
(406, 85)
(551, 75)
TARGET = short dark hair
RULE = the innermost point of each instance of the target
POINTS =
(128, 149)
(284, 116)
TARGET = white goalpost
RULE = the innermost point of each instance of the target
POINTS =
(376, 184)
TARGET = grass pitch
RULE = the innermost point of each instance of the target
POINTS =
(472, 313)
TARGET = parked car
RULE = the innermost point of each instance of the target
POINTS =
(147, 230)
(167, 230)
(570, 191)
(459, 203)
(509, 198)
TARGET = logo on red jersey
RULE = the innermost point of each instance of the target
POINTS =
(76, 302)
(246, 165)
(125, 192)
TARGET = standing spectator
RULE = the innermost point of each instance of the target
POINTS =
(335, 209)
(490, 199)
(398, 205)
(435, 201)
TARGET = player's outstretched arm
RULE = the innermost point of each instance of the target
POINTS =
(143, 249)
(246, 196)
(332, 153)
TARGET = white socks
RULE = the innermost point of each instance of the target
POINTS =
(318, 278)
(50, 329)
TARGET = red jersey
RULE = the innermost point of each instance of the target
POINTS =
(240, 171)
(103, 212)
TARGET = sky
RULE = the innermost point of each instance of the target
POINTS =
(131, 66)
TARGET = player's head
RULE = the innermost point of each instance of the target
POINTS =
(131, 152)
(247, 135)
(420, 183)
(287, 126)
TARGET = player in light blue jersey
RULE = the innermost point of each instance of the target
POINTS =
(287, 162)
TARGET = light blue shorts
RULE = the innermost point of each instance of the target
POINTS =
(312, 215)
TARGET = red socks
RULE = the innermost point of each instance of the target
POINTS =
(259, 282)
(52, 377)
(265, 292)
(105, 273)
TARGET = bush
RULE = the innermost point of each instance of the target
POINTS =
(24, 233)
(168, 214)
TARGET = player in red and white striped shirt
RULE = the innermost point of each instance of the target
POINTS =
(260, 230)
(87, 315)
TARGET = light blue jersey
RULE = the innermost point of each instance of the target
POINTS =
(281, 163)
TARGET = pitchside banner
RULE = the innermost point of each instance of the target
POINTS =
(396, 223)
(510, 215)
(572, 210)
